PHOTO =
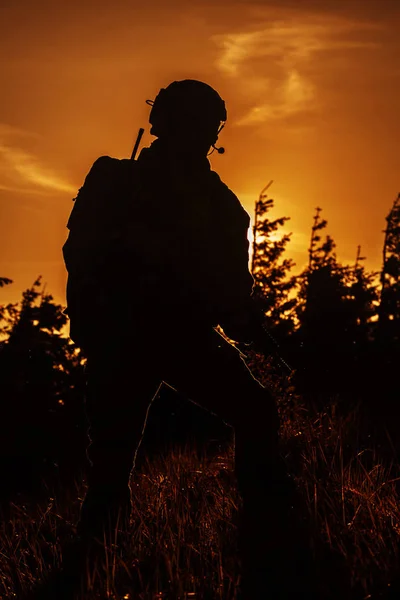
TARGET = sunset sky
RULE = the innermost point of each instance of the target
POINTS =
(312, 90)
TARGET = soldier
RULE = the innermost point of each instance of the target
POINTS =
(178, 268)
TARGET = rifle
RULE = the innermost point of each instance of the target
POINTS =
(136, 146)
(261, 338)
(269, 342)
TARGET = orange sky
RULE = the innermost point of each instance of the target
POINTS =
(312, 94)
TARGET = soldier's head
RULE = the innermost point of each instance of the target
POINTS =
(188, 114)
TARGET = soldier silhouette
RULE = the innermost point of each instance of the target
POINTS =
(144, 309)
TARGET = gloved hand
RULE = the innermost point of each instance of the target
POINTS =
(244, 325)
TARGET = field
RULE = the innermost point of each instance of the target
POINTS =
(182, 539)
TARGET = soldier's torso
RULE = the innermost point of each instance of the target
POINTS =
(179, 240)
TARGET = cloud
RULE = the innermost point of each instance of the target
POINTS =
(16, 189)
(11, 131)
(276, 64)
(21, 171)
(292, 97)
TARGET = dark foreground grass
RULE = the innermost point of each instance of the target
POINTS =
(182, 540)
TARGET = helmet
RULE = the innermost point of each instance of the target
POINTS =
(187, 105)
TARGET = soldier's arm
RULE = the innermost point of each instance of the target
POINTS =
(238, 319)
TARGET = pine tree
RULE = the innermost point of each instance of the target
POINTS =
(363, 294)
(336, 305)
(273, 285)
(8, 314)
(389, 309)
(42, 378)
(387, 338)
(320, 287)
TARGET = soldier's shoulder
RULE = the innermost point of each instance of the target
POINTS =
(105, 163)
(105, 167)
(222, 187)
(230, 198)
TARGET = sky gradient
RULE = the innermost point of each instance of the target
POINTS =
(312, 95)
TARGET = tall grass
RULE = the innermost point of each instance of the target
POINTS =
(182, 540)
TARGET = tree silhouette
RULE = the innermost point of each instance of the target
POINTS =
(5, 281)
(335, 311)
(320, 287)
(273, 285)
(389, 309)
(8, 314)
(364, 296)
(387, 335)
(42, 384)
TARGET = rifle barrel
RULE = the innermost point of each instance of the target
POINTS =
(136, 146)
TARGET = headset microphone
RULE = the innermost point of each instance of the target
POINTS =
(219, 150)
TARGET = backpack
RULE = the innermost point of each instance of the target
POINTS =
(92, 251)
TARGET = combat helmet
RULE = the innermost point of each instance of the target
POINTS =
(187, 106)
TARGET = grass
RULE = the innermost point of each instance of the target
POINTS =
(182, 534)
(182, 541)
(351, 497)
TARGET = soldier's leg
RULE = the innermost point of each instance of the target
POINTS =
(213, 374)
(120, 388)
